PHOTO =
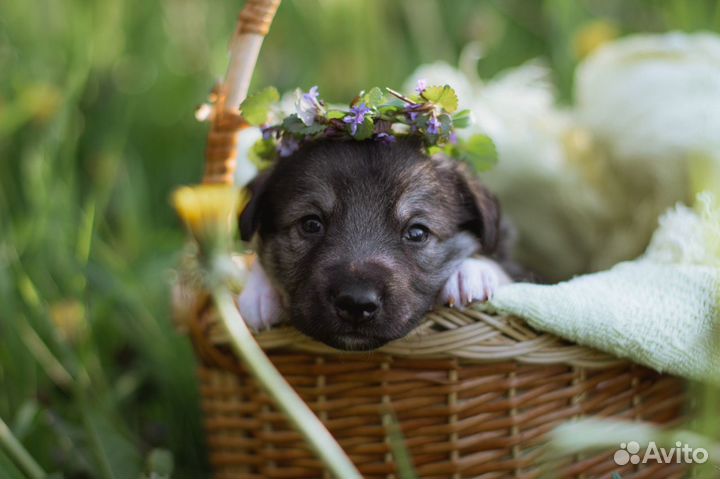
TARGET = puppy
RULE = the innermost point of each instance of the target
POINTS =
(358, 240)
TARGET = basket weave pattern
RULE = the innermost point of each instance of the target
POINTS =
(473, 395)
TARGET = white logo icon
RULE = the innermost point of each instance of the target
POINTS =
(680, 454)
(627, 453)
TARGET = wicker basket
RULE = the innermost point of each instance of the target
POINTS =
(472, 394)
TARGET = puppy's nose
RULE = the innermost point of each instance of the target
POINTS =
(357, 303)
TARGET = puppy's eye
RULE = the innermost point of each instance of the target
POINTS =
(417, 233)
(311, 225)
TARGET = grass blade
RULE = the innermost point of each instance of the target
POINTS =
(18, 454)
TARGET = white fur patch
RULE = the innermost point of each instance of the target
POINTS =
(476, 279)
(259, 303)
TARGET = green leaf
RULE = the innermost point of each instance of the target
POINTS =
(421, 122)
(389, 112)
(480, 152)
(443, 96)
(25, 418)
(263, 153)
(8, 468)
(446, 123)
(312, 129)
(336, 115)
(365, 129)
(434, 150)
(462, 119)
(256, 107)
(399, 449)
(113, 452)
(374, 98)
(394, 103)
(293, 124)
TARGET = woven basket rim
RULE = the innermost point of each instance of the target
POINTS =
(471, 334)
(474, 334)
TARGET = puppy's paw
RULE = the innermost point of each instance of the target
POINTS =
(259, 303)
(476, 279)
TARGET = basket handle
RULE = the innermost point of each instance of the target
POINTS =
(252, 26)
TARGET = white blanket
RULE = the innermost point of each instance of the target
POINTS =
(660, 310)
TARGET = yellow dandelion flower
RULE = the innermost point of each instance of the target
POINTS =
(41, 101)
(68, 316)
(210, 211)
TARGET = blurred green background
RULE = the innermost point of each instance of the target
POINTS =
(96, 129)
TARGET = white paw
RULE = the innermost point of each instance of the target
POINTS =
(259, 302)
(476, 279)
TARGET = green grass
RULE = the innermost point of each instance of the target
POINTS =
(96, 128)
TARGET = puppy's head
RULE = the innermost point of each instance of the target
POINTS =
(359, 237)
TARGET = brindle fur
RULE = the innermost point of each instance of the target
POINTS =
(367, 194)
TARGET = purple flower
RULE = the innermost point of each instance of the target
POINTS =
(267, 133)
(386, 138)
(308, 106)
(288, 145)
(453, 138)
(421, 86)
(312, 95)
(356, 117)
(410, 111)
(433, 126)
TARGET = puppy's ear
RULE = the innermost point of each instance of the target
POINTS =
(481, 208)
(250, 216)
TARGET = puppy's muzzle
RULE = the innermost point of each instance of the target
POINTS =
(356, 303)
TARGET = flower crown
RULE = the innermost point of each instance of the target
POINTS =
(430, 114)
